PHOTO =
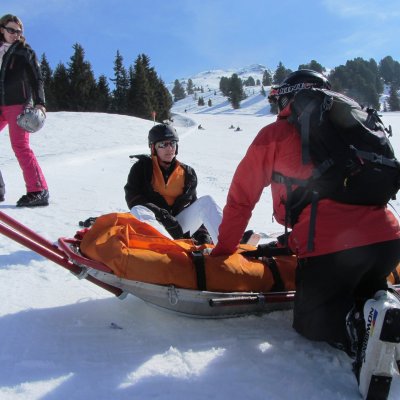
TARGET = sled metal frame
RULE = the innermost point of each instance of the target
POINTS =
(187, 302)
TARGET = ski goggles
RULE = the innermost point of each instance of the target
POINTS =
(288, 90)
(163, 145)
(12, 31)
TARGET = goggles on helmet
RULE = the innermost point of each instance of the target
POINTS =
(286, 89)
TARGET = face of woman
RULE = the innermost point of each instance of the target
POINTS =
(11, 32)
(165, 151)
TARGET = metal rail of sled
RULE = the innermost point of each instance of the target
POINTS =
(193, 303)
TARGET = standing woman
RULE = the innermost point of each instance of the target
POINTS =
(21, 85)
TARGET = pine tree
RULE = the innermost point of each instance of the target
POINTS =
(267, 78)
(178, 91)
(189, 87)
(394, 101)
(224, 85)
(250, 81)
(164, 101)
(61, 89)
(209, 102)
(360, 80)
(314, 65)
(139, 95)
(389, 70)
(83, 87)
(103, 100)
(161, 99)
(47, 75)
(280, 73)
(119, 103)
(200, 101)
(236, 93)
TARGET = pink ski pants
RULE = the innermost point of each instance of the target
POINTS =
(33, 175)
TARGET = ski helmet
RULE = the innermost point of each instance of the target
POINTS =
(161, 132)
(297, 80)
(31, 119)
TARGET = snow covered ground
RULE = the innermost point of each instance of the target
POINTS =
(63, 338)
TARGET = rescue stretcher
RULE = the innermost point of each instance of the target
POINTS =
(193, 303)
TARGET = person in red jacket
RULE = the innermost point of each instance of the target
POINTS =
(355, 247)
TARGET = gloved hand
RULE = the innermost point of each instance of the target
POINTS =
(170, 223)
(268, 250)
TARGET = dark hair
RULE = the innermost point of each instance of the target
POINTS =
(5, 19)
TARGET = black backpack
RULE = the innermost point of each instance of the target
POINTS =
(349, 147)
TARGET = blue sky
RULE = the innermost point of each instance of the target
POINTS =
(185, 37)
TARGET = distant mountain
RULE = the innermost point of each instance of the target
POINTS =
(210, 79)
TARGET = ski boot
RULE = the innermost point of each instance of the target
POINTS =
(375, 364)
(34, 199)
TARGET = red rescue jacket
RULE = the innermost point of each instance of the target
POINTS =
(277, 148)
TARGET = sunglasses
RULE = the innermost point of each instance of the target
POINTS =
(163, 145)
(13, 31)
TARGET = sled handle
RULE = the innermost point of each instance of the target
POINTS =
(27, 238)
(257, 298)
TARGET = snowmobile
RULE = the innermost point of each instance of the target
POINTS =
(197, 302)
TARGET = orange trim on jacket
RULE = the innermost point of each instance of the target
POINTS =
(171, 189)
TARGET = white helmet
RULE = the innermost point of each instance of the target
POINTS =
(31, 119)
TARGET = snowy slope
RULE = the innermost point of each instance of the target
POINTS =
(61, 338)
(254, 104)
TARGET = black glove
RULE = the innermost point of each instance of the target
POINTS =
(88, 222)
(170, 223)
(268, 250)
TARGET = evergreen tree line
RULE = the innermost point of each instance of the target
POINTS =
(360, 79)
(138, 90)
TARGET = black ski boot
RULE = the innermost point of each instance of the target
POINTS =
(34, 199)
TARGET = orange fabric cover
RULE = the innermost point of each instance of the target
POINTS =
(134, 250)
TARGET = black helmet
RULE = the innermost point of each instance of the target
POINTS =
(297, 80)
(162, 132)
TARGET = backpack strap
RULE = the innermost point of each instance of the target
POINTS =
(304, 119)
(289, 183)
(300, 203)
(375, 158)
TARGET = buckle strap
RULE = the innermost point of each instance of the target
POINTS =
(277, 177)
(375, 158)
(200, 267)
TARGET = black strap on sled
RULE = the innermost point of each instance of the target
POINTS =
(279, 285)
(200, 267)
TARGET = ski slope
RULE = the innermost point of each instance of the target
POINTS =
(64, 338)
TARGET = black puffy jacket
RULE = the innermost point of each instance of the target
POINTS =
(21, 81)
(139, 191)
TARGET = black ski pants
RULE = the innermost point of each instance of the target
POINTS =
(328, 286)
